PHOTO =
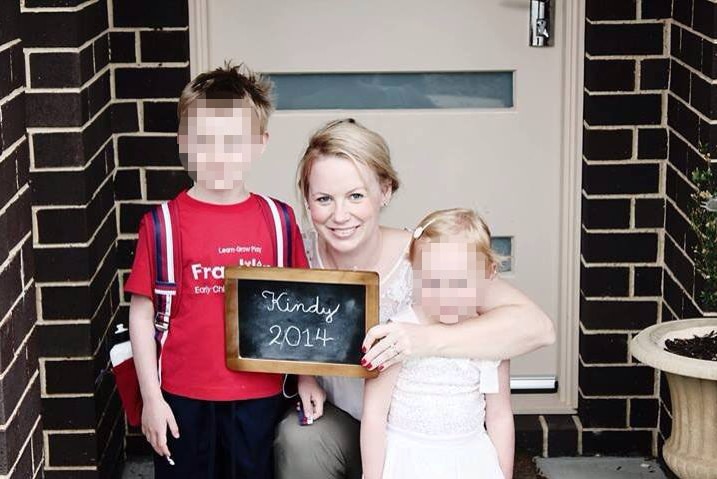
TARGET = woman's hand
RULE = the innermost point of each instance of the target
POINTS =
(391, 343)
(312, 397)
(157, 416)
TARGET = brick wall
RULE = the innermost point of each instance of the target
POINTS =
(692, 128)
(650, 111)
(149, 51)
(20, 426)
(624, 156)
(72, 157)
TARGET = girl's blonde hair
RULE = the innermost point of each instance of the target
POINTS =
(347, 139)
(456, 222)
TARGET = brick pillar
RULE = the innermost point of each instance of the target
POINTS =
(692, 126)
(624, 152)
(149, 45)
(20, 425)
(66, 46)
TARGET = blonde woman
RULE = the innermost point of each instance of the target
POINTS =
(346, 178)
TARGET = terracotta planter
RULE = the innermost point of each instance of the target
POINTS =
(691, 450)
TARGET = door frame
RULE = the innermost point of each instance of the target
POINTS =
(568, 320)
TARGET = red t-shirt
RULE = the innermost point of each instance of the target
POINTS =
(213, 236)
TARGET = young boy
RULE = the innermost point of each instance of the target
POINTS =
(221, 422)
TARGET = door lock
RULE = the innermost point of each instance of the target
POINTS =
(541, 23)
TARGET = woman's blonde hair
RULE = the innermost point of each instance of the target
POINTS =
(347, 139)
(456, 222)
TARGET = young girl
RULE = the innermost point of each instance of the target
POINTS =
(442, 417)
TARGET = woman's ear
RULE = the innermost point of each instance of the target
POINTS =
(386, 192)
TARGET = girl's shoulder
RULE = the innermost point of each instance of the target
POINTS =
(395, 252)
(396, 234)
(396, 241)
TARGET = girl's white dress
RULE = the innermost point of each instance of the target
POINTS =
(437, 416)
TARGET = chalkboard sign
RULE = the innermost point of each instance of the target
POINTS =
(299, 321)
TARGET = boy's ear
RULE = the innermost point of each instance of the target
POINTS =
(182, 142)
(264, 141)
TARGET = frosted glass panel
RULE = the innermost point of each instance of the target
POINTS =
(370, 91)
(503, 245)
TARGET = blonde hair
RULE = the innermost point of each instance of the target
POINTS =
(226, 83)
(347, 139)
(455, 222)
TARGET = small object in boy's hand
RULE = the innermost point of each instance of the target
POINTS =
(170, 461)
(303, 419)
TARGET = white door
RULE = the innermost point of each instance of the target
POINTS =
(501, 155)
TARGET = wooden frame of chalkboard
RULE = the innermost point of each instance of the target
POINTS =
(299, 321)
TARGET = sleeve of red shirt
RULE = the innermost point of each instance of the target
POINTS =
(140, 278)
(299, 253)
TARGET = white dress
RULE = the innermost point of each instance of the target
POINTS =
(436, 420)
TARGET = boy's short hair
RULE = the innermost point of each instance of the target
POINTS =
(456, 222)
(227, 83)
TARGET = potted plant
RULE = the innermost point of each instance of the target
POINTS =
(686, 351)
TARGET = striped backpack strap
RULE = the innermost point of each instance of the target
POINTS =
(167, 258)
(165, 282)
(288, 234)
(281, 221)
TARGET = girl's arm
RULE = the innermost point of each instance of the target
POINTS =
(376, 401)
(510, 324)
(499, 420)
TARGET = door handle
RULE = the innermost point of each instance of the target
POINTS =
(541, 23)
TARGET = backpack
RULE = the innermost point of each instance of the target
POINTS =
(165, 268)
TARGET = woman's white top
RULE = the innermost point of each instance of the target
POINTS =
(346, 393)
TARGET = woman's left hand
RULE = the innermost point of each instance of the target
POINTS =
(312, 397)
(391, 343)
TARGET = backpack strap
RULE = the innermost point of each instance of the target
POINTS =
(166, 272)
(165, 284)
(288, 234)
(280, 219)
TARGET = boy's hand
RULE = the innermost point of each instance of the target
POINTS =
(312, 397)
(157, 416)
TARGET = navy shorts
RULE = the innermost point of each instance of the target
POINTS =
(221, 439)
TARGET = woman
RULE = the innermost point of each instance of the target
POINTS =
(345, 178)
